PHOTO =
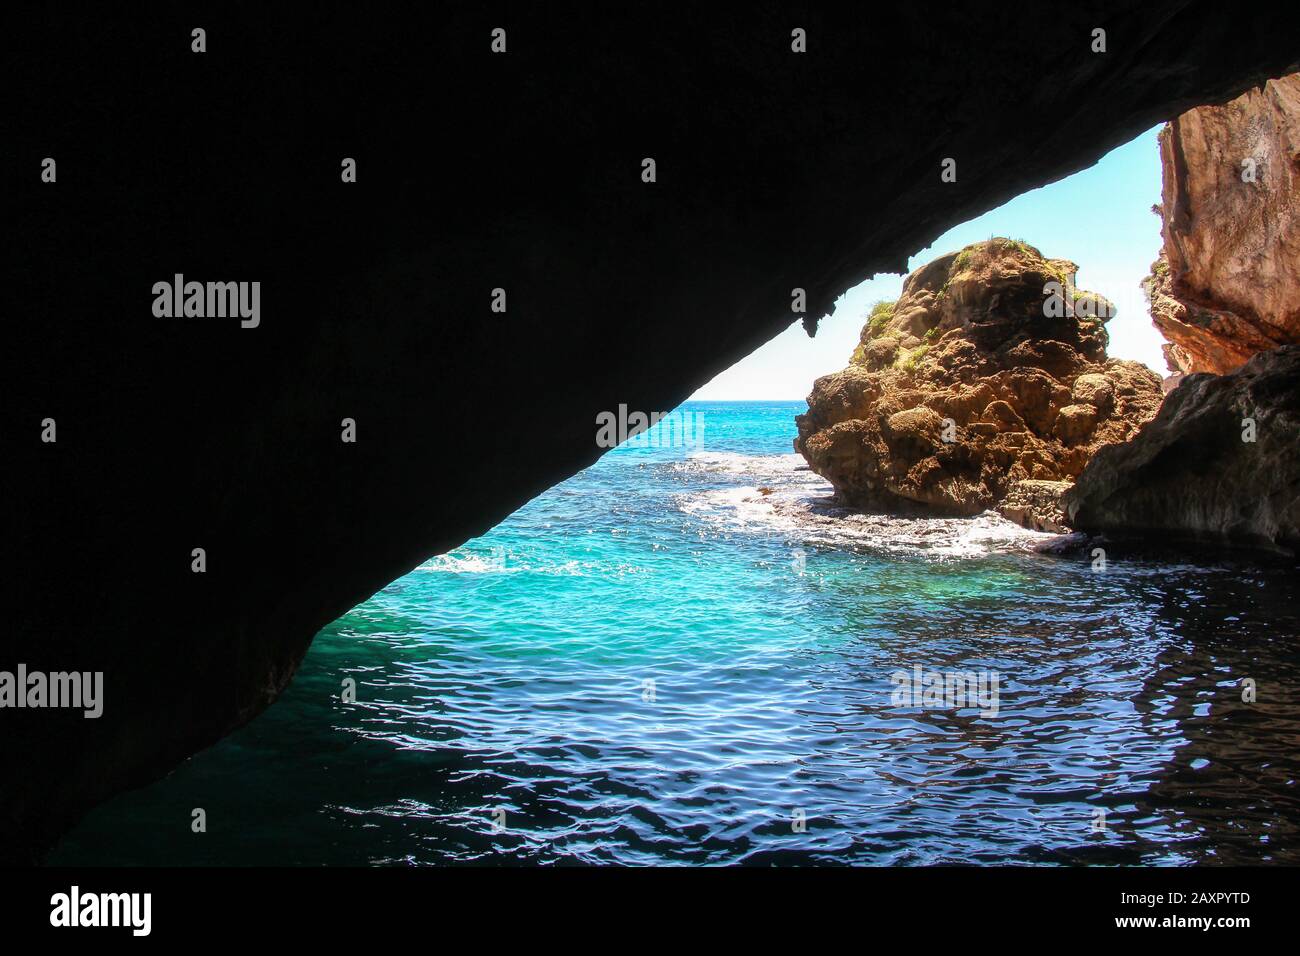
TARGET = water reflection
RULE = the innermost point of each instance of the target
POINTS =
(633, 669)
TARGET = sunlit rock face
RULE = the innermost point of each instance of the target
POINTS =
(475, 171)
(1219, 463)
(1227, 283)
(988, 374)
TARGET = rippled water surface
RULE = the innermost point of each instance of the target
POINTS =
(655, 662)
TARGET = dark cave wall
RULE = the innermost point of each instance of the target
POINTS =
(475, 171)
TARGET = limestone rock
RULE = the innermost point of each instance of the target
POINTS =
(976, 381)
(1227, 283)
(1190, 473)
(1037, 505)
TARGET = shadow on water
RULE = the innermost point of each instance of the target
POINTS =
(1231, 791)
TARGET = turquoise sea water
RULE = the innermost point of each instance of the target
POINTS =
(655, 662)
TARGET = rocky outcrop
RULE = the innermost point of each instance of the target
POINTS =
(1219, 463)
(1227, 283)
(1037, 505)
(988, 374)
(475, 171)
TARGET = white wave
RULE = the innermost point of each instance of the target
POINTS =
(790, 469)
(466, 563)
(501, 562)
(812, 519)
(736, 462)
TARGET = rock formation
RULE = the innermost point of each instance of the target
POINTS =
(973, 386)
(1227, 283)
(1220, 463)
(475, 171)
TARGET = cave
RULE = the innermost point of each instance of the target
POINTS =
(475, 171)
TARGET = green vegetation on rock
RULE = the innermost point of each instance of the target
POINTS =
(880, 315)
(910, 361)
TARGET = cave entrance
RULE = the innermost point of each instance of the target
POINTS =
(671, 657)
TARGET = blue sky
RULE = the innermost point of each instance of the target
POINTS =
(1100, 218)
